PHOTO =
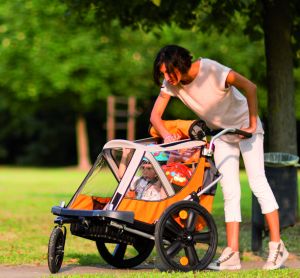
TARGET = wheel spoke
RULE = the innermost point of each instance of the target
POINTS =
(120, 250)
(186, 237)
(121, 256)
(191, 253)
(173, 227)
(174, 248)
(139, 247)
(191, 221)
(202, 237)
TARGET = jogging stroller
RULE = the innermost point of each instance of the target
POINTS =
(125, 226)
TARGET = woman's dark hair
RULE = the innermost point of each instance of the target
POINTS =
(173, 56)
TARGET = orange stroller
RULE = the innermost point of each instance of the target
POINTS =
(171, 211)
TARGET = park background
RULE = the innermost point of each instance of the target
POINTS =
(59, 62)
(57, 68)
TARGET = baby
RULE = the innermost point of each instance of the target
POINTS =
(145, 187)
(148, 186)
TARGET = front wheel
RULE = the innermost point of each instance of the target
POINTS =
(186, 237)
(56, 249)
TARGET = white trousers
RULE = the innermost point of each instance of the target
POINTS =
(227, 161)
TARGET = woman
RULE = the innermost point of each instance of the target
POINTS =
(211, 90)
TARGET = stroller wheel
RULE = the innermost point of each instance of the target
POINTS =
(186, 237)
(56, 249)
(123, 255)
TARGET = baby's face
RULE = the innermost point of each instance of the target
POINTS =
(148, 171)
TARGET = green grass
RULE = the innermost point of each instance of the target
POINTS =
(203, 274)
(27, 195)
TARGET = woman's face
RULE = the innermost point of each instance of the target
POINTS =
(172, 78)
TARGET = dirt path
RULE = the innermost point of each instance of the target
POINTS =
(29, 271)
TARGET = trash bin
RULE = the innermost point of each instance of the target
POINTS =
(281, 173)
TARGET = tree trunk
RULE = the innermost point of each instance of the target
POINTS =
(281, 90)
(82, 144)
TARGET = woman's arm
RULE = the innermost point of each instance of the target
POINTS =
(249, 89)
(156, 117)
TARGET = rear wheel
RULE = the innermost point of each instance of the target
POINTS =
(56, 249)
(186, 237)
(123, 255)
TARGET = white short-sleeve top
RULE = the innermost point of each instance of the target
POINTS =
(207, 96)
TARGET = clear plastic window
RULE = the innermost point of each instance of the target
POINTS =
(122, 158)
(102, 182)
(97, 189)
(180, 166)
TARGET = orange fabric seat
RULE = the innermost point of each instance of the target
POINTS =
(178, 127)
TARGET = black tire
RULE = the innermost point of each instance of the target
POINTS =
(185, 246)
(56, 249)
(124, 255)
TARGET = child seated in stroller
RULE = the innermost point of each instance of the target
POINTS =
(145, 186)
(148, 186)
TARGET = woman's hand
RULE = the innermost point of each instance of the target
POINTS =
(171, 138)
(249, 129)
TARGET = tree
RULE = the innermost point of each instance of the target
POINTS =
(277, 21)
(278, 33)
(46, 56)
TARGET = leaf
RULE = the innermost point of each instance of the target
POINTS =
(156, 2)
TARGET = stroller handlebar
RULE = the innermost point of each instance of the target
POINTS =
(240, 132)
(228, 131)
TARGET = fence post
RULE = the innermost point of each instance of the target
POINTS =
(128, 113)
(131, 119)
(110, 125)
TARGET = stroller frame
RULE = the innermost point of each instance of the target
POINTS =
(176, 225)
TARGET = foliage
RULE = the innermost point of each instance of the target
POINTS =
(53, 67)
(257, 19)
(203, 15)
(48, 59)
(44, 53)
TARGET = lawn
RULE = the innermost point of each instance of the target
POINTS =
(27, 195)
